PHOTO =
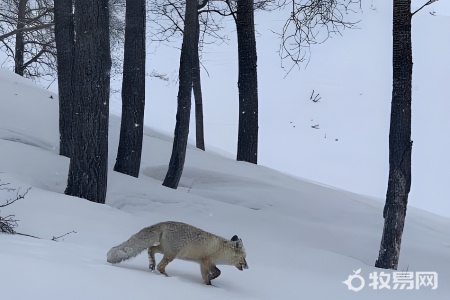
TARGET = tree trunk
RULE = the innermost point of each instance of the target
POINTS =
(197, 87)
(20, 43)
(91, 73)
(247, 83)
(400, 143)
(133, 90)
(64, 38)
(177, 159)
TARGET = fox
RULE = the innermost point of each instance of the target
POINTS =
(182, 241)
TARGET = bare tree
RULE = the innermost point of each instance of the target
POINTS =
(26, 36)
(197, 89)
(65, 40)
(178, 156)
(91, 74)
(133, 90)
(400, 144)
(247, 148)
(167, 18)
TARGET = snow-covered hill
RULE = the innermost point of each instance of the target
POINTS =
(302, 239)
(352, 74)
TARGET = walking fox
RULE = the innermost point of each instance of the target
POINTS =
(182, 241)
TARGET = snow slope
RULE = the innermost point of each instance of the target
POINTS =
(352, 75)
(302, 238)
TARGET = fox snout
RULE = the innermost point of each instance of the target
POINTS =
(242, 265)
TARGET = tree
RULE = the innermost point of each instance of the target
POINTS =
(247, 149)
(91, 73)
(20, 43)
(197, 86)
(26, 36)
(133, 90)
(400, 144)
(178, 156)
(64, 37)
(167, 18)
(30, 43)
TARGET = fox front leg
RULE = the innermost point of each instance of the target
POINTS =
(163, 264)
(214, 272)
(209, 272)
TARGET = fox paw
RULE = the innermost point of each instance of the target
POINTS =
(152, 267)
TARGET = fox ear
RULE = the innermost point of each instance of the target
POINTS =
(237, 241)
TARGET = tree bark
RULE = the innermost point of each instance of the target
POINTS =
(197, 87)
(400, 144)
(20, 43)
(91, 73)
(178, 156)
(133, 90)
(64, 38)
(247, 149)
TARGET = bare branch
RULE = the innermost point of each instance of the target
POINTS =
(35, 58)
(26, 29)
(58, 237)
(8, 223)
(313, 22)
(232, 11)
(426, 4)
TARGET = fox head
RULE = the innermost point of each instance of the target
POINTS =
(239, 253)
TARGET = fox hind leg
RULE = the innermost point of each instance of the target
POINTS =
(151, 256)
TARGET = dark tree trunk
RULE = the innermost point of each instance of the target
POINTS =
(91, 73)
(400, 143)
(64, 38)
(177, 159)
(248, 83)
(20, 43)
(197, 87)
(133, 90)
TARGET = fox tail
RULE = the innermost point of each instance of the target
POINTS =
(137, 243)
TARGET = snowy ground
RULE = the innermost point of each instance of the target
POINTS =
(302, 239)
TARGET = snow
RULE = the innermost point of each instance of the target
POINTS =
(352, 75)
(303, 238)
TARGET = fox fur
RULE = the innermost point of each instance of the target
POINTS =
(182, 241)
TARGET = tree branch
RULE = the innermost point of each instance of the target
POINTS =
(35, 58)
(426, 4)
(233, 13)
(26, 29)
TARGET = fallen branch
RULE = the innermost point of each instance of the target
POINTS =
(58, 237)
